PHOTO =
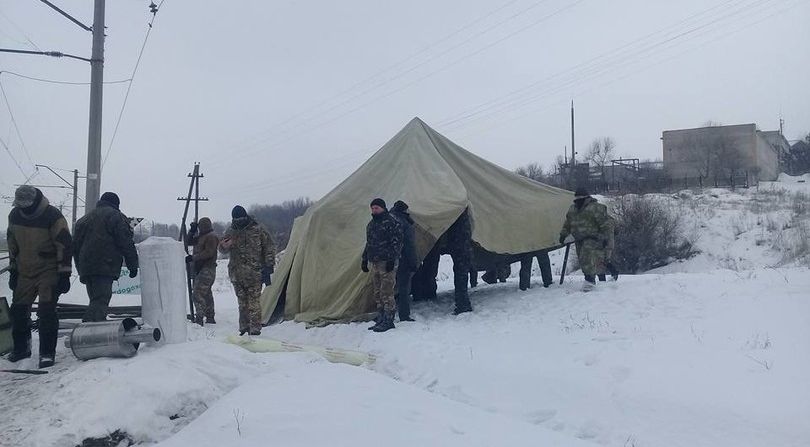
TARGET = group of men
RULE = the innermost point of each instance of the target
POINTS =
(390, 257)
(41, 253)
(252, 258)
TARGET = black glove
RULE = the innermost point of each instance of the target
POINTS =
(266, 274)
(63, 284)
(12, 280)
(192, 229)
(389, 266)
(189, 259)
(133, 272)
(562, 239)
(364, 266)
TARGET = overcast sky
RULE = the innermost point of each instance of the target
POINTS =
(284, 99)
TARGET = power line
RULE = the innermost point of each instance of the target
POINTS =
(14, 121)
(154, 10)
(20, 31)
(14, 158)
(649, 65)
(399, 63)
(52, 81)
(420, 79)
(590, 70)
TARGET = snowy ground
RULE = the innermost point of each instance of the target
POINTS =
(708, 352)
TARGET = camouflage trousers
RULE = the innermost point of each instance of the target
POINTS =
(250, 309)
(383, 284)
(203, 297)
(591, 256)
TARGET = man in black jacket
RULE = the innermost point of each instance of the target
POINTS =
(407, 260)
(383, 249)
(102, 243)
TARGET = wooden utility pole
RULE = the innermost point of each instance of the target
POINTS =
(193, 189)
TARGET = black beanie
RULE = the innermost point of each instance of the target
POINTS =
(581, 193)
(379, 202)
(111, 198)
(399, 205)
(238, 212)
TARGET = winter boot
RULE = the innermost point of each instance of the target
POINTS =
(602, 277)
(590, 283)
(46, 361)
(210, 320)
(614, 272)
(20, 332)
(48, 333)
(255, 332)
(377, 320)
(198, 319)
(462, 309)
(387, 322)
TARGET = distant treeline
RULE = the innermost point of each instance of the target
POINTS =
(277, 218)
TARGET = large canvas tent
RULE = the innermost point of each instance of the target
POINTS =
(319, 279)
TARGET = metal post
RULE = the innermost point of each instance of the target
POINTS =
(197, 193)
(75, 198)
(573, 150)
(93, 189)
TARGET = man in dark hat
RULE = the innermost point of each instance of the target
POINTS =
(588, 222)
(103, 244)
(380, 258)
(252, 251)
(408, 263)
(39, 246)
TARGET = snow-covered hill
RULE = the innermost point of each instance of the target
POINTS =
(713, 351)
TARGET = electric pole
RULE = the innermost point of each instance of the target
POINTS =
(96, 101)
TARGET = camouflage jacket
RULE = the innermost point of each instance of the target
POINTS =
(205, 249)
(383, 239)
(589, 222)
(251, 249)
(39, 242)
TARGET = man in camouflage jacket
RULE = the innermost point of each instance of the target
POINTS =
(588, 222)
(204, 260)
(383, 249)
(40, 249)
(252, 251)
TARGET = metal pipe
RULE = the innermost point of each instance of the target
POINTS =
(117, 338)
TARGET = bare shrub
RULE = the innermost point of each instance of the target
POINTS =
(801, 203)
(279, 218)
(648, 235)
(793, 242)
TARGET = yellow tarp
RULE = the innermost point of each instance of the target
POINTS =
(438, 179)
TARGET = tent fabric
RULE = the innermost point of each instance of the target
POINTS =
(320, 269)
